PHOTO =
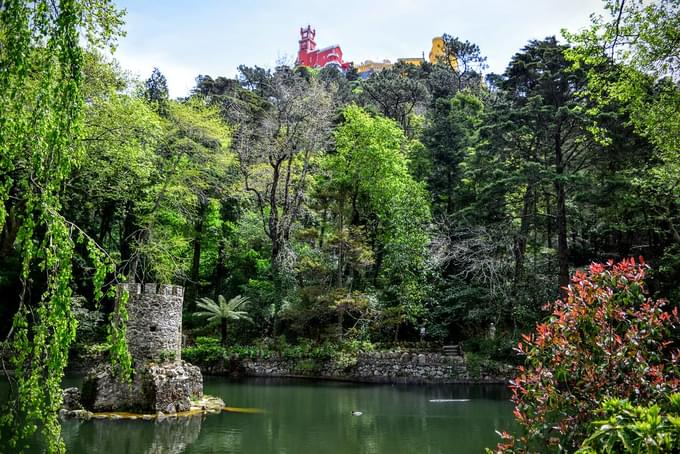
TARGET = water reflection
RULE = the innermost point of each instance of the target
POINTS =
(312, 417)
(304, 416)
(169, 436)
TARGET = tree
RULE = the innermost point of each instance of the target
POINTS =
(638, 45)
(396, 93)
(373, 189)
(156, 91)
(278, 139)
(223, 311)
(547, 105)
(632, 56)
(452, 131)
(465, 60)
(191, 161)
(41, 113)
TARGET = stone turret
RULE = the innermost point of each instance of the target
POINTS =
(162, 381)
(154, 327)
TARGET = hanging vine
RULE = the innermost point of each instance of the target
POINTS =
(41, 108)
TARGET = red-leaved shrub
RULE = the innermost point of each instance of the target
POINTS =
(605, 339)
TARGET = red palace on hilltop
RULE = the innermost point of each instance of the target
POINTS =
(310, 56)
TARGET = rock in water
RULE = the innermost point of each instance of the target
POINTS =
(71, 399)
(156, 387)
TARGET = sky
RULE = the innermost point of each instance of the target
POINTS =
(184, 39)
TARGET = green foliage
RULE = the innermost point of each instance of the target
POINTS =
(370, 168)
(479, 366)
(41, 119)
(605, 339)
(120, 357)
(452, 132)
(635, 428)
(89, 321)
(633, 51)
(395, 93)
(222, 311)
(308, 356)
(206, 352)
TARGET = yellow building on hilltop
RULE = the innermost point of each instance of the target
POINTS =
(370, 66)
(411, 60)
(437, 51)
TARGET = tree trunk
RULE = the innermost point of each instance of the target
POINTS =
(220, 267)
(223, 331)
(561, 216)
(127, 238)
(192, 291)
(521, 238)
(9, 232)
(341, 247)
(106, 221)
(274, 227)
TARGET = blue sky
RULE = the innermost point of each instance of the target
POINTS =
(184, 39)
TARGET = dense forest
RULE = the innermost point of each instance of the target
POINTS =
(339, 209)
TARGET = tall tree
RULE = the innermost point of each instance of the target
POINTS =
(397, 92)
(452, 131)
(41, 108)
(633, 56)
(156, 91)
(465, 61)
(278, 139)
(545, 91)
(374, 190)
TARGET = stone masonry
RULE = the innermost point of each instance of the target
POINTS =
(154, 328)
(162, 381)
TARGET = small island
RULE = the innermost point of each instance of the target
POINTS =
(162, 384)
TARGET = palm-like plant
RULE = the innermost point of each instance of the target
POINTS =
(222, 311)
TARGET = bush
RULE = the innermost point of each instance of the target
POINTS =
(605, 339)
(479, 365)
(206, 353)
(500, 348)
(628, 428)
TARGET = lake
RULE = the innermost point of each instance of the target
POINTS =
(306, 416)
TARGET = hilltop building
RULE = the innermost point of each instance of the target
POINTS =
(437, 51)
(310, 56)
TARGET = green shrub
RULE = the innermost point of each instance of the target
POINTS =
(307, 367)
(500, 348)
(207, 352)
(634, 428)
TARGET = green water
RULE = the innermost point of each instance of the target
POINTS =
(314, 417)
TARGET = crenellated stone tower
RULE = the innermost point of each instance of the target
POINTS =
(162, 381)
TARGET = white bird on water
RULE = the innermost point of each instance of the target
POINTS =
(357, 413)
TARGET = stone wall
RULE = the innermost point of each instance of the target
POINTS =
(378, 367)
(154, 327)
(421, 366)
